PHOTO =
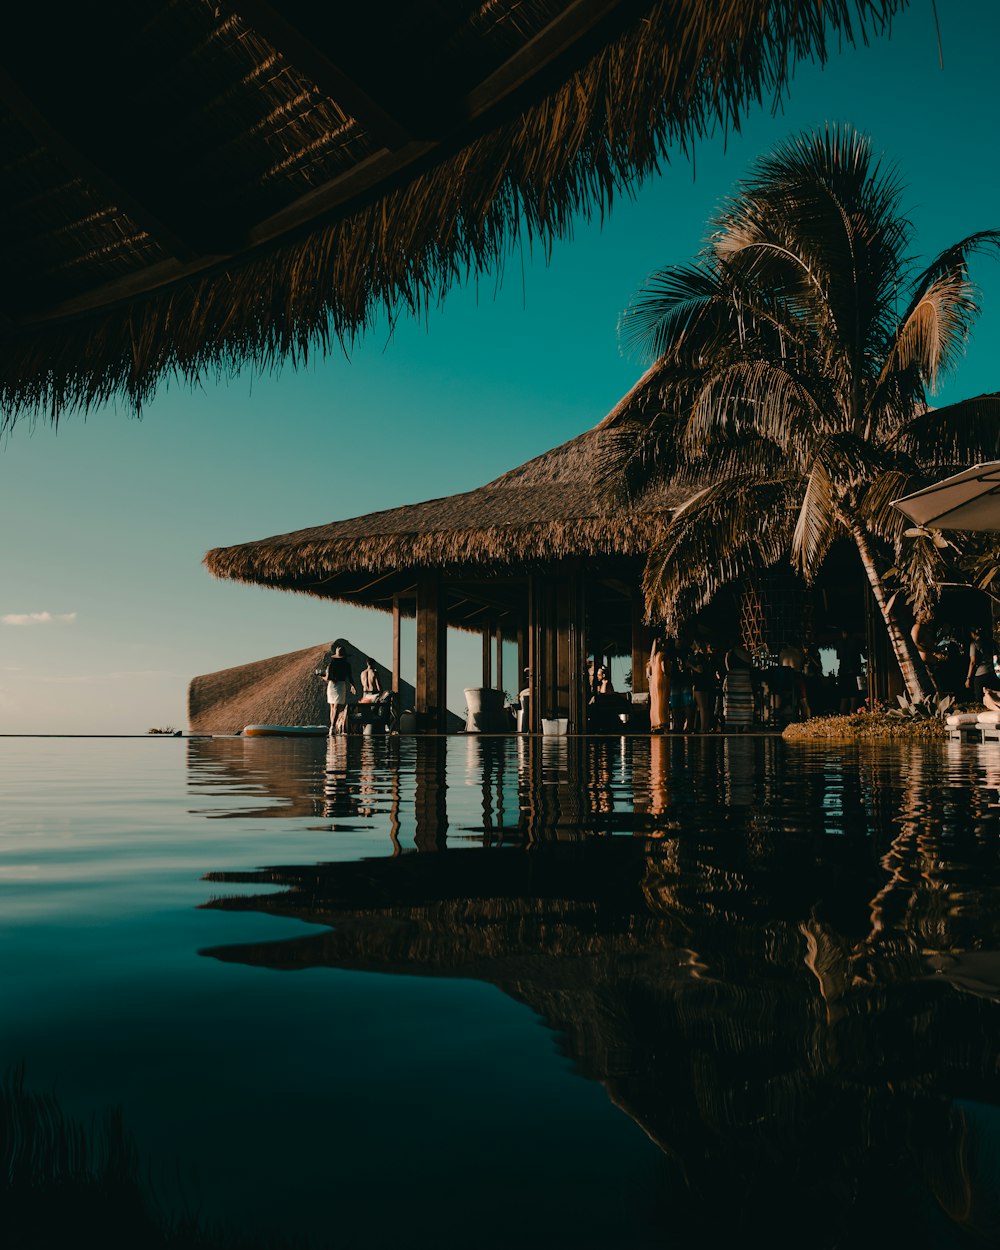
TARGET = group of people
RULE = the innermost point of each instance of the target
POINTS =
(699, 687)
(341, 691)
(963, 669)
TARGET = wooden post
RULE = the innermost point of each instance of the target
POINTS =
(500, 659)
(534, 655)
(431, 654)
(396, 653)
(642, 638)
(577, 655)
(487, 665)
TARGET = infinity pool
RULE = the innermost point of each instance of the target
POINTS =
(476, 992)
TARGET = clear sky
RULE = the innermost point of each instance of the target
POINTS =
(106, 611)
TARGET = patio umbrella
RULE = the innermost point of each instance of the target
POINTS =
(968, 501)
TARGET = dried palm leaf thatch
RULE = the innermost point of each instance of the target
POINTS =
(554, 507)
(106, 307)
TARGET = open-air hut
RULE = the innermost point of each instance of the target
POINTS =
(540, 555)
(192, 187)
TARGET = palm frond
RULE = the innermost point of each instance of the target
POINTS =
(874, 502)
(942, 310)
(953, 437)
(816, 525)
(763, 396)
(639, 459)
(721, 533)
(670, 306)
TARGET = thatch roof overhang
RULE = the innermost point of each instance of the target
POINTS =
(190, 187)
(553, 510)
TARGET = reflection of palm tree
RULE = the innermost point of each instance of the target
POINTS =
(787, 379)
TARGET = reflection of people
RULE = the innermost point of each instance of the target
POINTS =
(658, 672)
(338, 678)
(370, 684)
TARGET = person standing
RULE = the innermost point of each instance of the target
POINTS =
(703, 683)
(737, 689)
(681, 695)
(339, 679)
(658, 672)
(980, 665)
(850, 672)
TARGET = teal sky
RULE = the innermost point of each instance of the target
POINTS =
(106, 611)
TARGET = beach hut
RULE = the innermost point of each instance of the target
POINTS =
(195, 186)
(541, 556)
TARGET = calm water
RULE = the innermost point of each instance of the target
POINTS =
(486, 992)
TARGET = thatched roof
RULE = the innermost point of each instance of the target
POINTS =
(190, 187)
(282, 690)
(554, 507)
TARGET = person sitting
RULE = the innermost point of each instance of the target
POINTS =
(371, 687)
(602, 683)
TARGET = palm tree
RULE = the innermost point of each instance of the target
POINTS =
(794, 360)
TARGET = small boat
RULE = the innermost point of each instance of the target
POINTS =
(286, 731)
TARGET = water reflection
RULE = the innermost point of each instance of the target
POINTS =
(784, 965)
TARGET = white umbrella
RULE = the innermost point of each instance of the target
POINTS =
(968, 501)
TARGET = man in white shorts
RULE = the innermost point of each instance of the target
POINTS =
(339, 679)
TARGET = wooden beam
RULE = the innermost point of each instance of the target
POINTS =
(576, 643)
(542, 63)
(44, 127)
(534, 648)
(487, 657)
(200, 247)
(310, 52)
(642, 638)
(498, 638)
(431, 654)
(396, 652)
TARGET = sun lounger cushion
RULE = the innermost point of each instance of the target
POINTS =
(988, 718)
(961, 718)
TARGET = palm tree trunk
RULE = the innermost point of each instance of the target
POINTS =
(915, 676)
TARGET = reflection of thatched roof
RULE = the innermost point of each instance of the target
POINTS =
(194, 185)
(707, 1029)
(282, 690)
(554, 507)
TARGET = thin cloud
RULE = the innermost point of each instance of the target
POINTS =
(38, 618)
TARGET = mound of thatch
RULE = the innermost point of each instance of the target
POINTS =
(283, 690)
(190, 187)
